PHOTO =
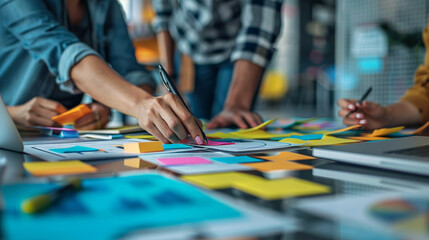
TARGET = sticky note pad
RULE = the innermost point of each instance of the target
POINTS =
(219, 180)
(183, 161)
(278, 166)
(58, 168)
(137, 163)
(286, 156)
(282, 188)
(175, 146)
(74, 149)
(238, 159)
(143, 147)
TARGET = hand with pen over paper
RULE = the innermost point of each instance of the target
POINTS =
(373, 116)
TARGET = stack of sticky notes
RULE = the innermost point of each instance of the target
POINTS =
(58, 168)
(143, 147)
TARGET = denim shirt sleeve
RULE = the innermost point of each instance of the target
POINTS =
(44, 38)
(120, 53)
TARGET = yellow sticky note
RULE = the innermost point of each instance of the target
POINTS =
(142, 147)
(258, 134)
(344, 129)
(367, 138)
(278, 166)
(325, 141)
(141, 137)
(384, 131)
(58, 168)
(286, 156)
(219, 180)
(282, 188)
(266, 123)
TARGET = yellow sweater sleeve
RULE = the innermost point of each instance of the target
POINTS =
(418, 95)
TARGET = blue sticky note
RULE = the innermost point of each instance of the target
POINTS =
(74, 149)
(174, 146)
(108, 208)
(370, 65)
(238, 159)
(308, 137)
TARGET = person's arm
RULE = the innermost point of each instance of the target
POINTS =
(261, 23)
(163, 10)
(373, 116)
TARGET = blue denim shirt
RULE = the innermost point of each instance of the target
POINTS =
(37, 50)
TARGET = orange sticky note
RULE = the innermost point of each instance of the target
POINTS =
(58, 168)
(368, 138)
(344, 129)
(278, 166)
(384, 131)
(72, 115)
(143, 147)
(137, 163)
(286, 156)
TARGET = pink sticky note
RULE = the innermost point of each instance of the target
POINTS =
(183, 161)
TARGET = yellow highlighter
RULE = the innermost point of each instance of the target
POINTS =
(41, 202)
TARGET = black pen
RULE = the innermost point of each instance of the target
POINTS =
(368, 91)
(172, 88)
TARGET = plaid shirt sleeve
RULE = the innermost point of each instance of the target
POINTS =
(261, 23)
(163, 10)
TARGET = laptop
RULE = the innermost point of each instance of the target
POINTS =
(408, 154)
(9, 137)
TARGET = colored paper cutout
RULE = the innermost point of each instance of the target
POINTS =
(183, 161)
(143, 147)
(325, 141)
(282, 188)
(108, 208)
(308, 137)
(174, 146)
(58, 168)
(384, 131)
(278, 166)
(149, 137)
(286, 156)
(238, 159)
(220, 180)
(260, 126)
(74, 149)
(344, 129)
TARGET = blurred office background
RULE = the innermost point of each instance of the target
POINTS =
(328, 49)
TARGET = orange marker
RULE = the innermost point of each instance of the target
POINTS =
(72, 115)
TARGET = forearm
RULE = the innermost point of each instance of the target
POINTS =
(94, 77)
(166, 50)
(245, 81)
(402, 113)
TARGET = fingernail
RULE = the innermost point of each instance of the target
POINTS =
(198, 140)
(351, 107)
(359, 115)
(363, 121)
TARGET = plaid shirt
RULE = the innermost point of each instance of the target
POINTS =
(213, 31)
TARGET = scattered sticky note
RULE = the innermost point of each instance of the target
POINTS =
(344, 129)
(183, 161)
(384, 131)
(286, 156)
(237, 159)
(174, 146)
(219, 180)
(74, 149)
(308, 137)
(278, 166)
(143, 147)
(150, 137)
(260, 126)
(137, 163)
(58, 168)
(282, 188)
(325, 141)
